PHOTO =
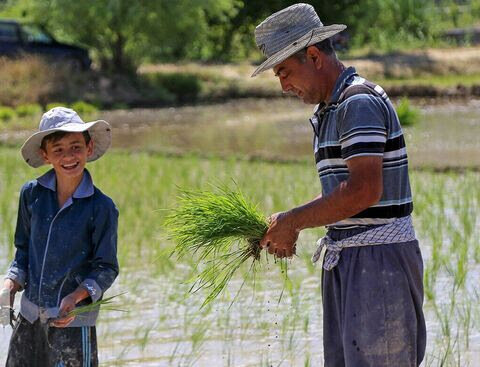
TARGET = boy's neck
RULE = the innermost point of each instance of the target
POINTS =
(66, 186)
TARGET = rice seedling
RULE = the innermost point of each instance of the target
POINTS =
(107, 304)
(223, 229)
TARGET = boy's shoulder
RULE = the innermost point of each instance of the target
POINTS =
(29, 187)
(102, 200)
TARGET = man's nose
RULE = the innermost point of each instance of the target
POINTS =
(286, 87)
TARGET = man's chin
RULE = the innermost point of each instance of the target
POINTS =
(307, 100)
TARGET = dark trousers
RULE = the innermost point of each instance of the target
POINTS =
(36, 345)
(372, 307)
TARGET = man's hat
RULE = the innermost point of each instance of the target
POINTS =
(288, 31)
(66, 119)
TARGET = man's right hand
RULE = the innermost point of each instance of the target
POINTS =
(281, 236)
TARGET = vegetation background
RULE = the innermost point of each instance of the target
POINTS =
(125, 37)
(123, 34)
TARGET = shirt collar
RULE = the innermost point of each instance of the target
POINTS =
(341, 83)
(84, 189)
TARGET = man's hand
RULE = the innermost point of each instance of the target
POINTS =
(67, 305)
(281, 236)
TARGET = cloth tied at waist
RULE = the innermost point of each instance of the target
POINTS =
(400, 230)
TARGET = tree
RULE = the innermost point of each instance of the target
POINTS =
(123, 33)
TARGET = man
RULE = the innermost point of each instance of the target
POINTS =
(372, 279)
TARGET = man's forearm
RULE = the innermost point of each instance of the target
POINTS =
(345, 201)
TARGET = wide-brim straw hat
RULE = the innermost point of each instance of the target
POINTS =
(66, 119)
(288, 31)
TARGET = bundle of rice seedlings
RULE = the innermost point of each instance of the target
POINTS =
(223, 229)
(106, 303)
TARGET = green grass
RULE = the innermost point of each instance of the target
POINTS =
(446, 214)
(407, 114)
(448, 80)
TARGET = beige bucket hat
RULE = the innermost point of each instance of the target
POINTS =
(288, 31)
(66, 119)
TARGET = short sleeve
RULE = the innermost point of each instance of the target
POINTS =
(362, 127)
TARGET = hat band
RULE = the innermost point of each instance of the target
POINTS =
(284, 40)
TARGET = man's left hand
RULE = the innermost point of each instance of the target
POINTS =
(281, 236)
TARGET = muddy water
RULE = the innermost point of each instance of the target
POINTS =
(279, 129)
(445, 137)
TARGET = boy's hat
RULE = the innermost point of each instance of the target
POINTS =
(66, 119)
(288, 31)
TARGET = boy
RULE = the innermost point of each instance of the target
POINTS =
(66, 242)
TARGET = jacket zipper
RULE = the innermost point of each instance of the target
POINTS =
(45, 253)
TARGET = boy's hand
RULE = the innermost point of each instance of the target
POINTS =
(13, 287)
(67, 305)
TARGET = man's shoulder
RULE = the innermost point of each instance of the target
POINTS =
(363, 88)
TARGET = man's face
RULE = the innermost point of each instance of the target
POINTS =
(68, 155)
(301, 78)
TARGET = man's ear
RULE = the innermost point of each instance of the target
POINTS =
(314, 54)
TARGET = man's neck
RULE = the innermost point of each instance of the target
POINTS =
(337, 69)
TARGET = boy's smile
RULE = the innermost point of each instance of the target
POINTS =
(68, 155)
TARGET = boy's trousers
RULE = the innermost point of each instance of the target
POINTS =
(372, 306)
(36, 345)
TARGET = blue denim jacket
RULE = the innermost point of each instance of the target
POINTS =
(58, 249)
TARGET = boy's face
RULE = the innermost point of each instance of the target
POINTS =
(68, 155)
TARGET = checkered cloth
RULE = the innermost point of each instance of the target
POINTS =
(400, 230)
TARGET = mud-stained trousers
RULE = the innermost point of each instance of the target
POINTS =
(35, 345)
(372, 306)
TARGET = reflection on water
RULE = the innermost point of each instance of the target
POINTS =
(266, 128)
(278, 129)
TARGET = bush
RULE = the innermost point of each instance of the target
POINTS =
(407, 114)
(183, 86)
(84, 108)
(51, 105)
(6, 113)
(28, 80)
(27, 110)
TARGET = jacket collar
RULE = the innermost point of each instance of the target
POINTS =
(84, 189)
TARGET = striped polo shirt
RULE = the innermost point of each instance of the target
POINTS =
(362, 123)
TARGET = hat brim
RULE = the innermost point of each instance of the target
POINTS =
(99, 131)
(314, 36)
